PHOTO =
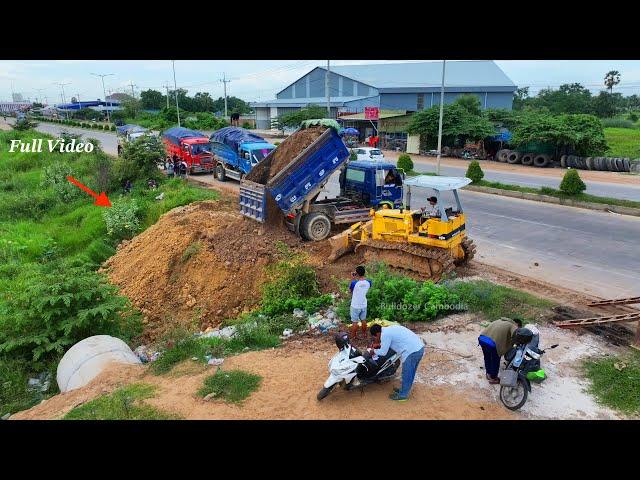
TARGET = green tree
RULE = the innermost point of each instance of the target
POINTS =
(520, 98)
(234, 105)
(474, 172)
(611, 79)
(152, 100)
(458, 126)
(293, 119)
(471, 103)
(607, 105)
(571, 183)
(139, 161)
(130, 107)
(202, 102)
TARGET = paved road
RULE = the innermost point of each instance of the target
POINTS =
(603, 189)
(588, 251)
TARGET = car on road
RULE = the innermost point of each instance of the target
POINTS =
(369, 153)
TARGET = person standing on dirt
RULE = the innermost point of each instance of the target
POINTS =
(359, 288)
(495, 341)
(411, 349)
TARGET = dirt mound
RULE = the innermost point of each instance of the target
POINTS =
(284, 154)
(197, 266)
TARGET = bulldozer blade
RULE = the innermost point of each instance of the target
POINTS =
(341, 244)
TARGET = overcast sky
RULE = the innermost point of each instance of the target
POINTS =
(259, 79)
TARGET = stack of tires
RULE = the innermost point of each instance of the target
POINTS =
(609, 164)
(535, 159)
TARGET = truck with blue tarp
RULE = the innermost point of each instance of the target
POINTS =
(236, 151)
(190, 147)
(296, 188)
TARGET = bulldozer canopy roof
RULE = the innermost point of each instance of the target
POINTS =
(440, 184)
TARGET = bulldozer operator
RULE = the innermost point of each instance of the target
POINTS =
(432, 210)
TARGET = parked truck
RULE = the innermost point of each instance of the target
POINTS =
(128, 133)
(236, 151)
(297, 187)
(189, 146)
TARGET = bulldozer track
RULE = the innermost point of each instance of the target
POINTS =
(428, 262)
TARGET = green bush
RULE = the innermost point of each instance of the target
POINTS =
(571, 183)
(122, 220)
(474, 172)
(402, 299)
(60, 305)
(405, 162)
(55, 176)
(633, 116)
(617, 123)
(246, 125)
(291, 284)
(353, 156)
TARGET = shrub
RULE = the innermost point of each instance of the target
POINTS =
(633, 116)
(122, 220)
(474, 172)
(55, 176)
(246, 125)
(617, 123)
(571, 183)
(405, 162)
(353, 156)
(60, 305)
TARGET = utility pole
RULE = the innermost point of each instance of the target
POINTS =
(326, 87)
(440, 122)
(131, 84)
(66, 113)
(225, 81)
(39, 94)
(104, 92)
(175, 89)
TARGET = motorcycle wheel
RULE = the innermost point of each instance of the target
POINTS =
(514, 397)
(324, 392)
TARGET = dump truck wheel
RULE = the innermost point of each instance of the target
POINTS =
(220, 175)
(315, 227)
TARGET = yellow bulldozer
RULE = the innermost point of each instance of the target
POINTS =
(427, 245)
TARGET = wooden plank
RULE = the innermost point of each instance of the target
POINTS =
(582, 322)
(618, 301)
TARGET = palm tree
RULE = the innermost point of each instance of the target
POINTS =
(611, 79)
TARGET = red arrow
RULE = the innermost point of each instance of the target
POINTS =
(101, 200)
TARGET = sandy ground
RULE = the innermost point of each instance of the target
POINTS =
(450, 383)
(491, 166)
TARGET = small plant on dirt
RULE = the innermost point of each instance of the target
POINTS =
(474, 172)
(405, 162)
(571, 183)
(232, 386)
(291, 284)
(125, 403)
(121, 219)
(615, 381)
(190, 251)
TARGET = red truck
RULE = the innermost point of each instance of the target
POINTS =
(189, 146)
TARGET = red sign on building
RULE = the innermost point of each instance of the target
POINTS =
(371, 113)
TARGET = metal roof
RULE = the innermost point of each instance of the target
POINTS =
(303, 102)
(438, 183)
(382, 115)
(481, 73)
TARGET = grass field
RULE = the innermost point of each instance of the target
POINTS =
(623, 142)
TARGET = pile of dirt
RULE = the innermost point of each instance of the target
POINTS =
(197, 266)
(288, 150)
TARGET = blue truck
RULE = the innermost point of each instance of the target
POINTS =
(296, 189)
(236, 151)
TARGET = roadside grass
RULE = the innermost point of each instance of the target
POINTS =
(495, 301)
(618, 389)
(125, 403)
(583, 197)
(623, 142)
(232, 386)
(40, 230)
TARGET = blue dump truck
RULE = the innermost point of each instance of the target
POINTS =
(296, 188)
(236, 151)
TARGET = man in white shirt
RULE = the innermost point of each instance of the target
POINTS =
(411, 349)
(432, 210)
(359, 288)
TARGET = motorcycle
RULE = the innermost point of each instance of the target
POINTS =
(522, 366)
(351, 369)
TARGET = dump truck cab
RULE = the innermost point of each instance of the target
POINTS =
(372, 183)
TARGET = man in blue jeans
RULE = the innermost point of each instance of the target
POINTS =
(411, 349)
(495, 341)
